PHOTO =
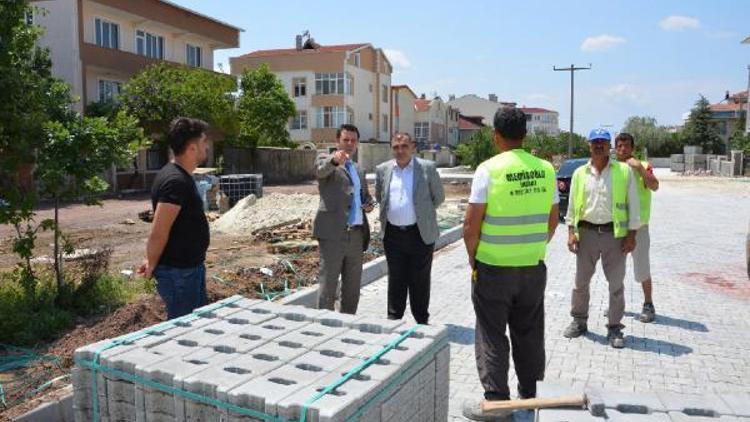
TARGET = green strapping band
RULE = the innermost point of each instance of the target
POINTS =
(332, 386)
(138, 335)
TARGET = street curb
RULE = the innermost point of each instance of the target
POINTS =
(371, 271)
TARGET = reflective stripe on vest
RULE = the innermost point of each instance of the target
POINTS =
(519, 200)
(619, 189)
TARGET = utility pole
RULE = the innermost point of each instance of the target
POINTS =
(747, 110)
(572, 69)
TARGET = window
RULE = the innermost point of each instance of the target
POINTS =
(369, 116)
(421, 131)
(108, 90)
(357, 59)
(385, 123)
(149, 45)
(333, 83)
(193, 55)
(370, 87)
(385, 93)
(300, 87)
(29, 17)
(107, 34)
(299, 122)
(333, 117)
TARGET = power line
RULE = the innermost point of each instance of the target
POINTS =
(572, 69)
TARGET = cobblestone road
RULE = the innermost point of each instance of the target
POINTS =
(700, 340)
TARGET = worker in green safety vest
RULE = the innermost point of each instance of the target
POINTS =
(646, 182)
(603, 216)
(512, 214)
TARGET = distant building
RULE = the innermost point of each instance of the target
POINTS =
(728, 113)
(468, 126)
(330, 85)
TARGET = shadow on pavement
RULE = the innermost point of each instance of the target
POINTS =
(673, 322)
(460, 335)
(644, 344)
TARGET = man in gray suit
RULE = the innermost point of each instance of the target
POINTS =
(340, 224)
(409, 191)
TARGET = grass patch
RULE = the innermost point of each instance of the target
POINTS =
(27, 319)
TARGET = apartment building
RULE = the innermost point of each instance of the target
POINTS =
(97, 45)
(541, 120)
(436, 123)
(330, 85)
(403, 109)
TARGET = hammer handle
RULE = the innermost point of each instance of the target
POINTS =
(565, 401)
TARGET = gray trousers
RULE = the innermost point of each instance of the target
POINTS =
(341, 257)
(592, 246)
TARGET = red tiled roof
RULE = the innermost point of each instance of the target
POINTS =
(531, 110)
(292, 51)
(727, 107)
(470, 122)
(422, 105)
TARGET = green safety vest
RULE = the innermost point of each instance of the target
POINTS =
(519, 199)
(644, 194)
(620, 179)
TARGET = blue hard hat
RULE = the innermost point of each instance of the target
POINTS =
(599, 134)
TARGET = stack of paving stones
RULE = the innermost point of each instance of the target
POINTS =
(645, 406)
(272, 359)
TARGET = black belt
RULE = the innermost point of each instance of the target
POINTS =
(356, 227)
(403, 228)
(606, 227)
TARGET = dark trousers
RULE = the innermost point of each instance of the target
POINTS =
(182, 289)
(409, 266)
(512, 296)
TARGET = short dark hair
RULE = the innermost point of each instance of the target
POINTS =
(510, 122)
(402, 135)
(625, 137)
(183, 131)
(348, 127)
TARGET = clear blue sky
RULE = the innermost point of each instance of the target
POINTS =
(649, 57)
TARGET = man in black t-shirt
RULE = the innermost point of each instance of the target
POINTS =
(176, 248)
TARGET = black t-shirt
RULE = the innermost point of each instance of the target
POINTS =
(188, 237)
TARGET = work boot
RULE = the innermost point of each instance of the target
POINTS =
(615, 337)
(575, 329)
(648, 313)
(472, 409)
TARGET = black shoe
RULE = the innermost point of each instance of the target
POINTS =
(648, 313)
(575, 329)
(615, 337)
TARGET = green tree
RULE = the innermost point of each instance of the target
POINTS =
(647, 133)
(480, 147)
(74, 155)
(739, 139)
(264, 109)
(163, 91)
(699, 130)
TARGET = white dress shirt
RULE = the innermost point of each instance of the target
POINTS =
(598, 194)
(401, 196)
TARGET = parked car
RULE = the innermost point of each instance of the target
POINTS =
(564, 174)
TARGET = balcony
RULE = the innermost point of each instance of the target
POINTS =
(108, 58)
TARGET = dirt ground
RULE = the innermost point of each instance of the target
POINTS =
(233, 262)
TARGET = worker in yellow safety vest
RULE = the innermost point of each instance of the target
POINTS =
(603, 216)
(512, 214)
(646, 182)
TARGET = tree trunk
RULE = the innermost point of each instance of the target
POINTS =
(58, 255)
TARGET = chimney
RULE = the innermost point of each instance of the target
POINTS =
(298, 42)
(493, 98)
(451, 97)
(422, 97)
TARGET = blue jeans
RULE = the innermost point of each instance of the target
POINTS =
(182, 289)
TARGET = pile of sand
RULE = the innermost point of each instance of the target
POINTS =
(251, 215)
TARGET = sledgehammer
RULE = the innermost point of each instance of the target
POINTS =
(589, 400)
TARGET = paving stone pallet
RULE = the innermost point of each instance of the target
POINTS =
(249, 360)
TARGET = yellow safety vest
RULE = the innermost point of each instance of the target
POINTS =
(519, 199)
(620, 180)
(644, 194)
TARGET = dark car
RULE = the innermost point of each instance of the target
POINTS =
(564, 174)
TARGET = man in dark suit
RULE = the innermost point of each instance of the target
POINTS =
(340, 224)
(409, 191)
